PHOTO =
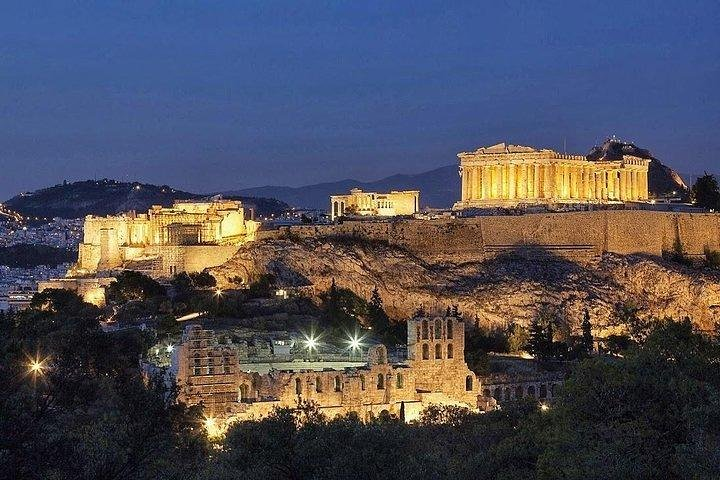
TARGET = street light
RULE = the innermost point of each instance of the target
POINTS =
(354, 344)
(36, 367)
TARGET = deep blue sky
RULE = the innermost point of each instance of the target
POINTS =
(211, 96)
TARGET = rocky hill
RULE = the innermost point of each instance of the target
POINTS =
(662, 179)
(107, 197)
(497, 291)
(440, 188)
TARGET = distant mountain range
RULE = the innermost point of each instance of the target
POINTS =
(108, 197)
(440, 188)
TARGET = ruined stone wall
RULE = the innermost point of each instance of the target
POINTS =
(622, 232)
(187, 258)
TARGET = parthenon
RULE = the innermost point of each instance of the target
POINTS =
(507, 175)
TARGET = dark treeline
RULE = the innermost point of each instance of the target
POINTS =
(86, 412)
(29, 256)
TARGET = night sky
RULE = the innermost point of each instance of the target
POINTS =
(212, 96)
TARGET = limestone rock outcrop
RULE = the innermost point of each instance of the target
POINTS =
(499, 290)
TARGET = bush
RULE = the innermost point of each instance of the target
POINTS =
(712, 257)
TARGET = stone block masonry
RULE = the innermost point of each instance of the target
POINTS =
(595, 232)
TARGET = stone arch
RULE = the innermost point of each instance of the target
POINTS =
(318, 385)
(425, 333)
(298, 386)
(469, 383)
(399, 381)
(380, 381)
(362, 382)
(554, 389)
(543, 390)
(531, 391)
(337, 383)
(425, 351)
(438, 329)
(449, 329)
(438, 351)
(450, 351)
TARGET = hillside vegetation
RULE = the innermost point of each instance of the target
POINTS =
(108, 197)
(29, 256)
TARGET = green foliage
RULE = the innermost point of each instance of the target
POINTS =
(712, 257)
(32, 255)
(479, 341)
(518, 338)
(133, 286)
(705, 192)
(652, 414)
(203, 280)
(678, 254)
(587, 338)
(342, 309)
(262, 287)
(89, 414)
(537, 339)
(388, 332)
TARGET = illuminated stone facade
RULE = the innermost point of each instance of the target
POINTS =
(357, 202)
(189, 236)
(434, 373)
(508, 175)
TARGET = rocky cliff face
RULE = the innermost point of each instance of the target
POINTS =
(500, 290)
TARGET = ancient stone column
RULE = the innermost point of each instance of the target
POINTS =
(546, 181)
(536, 180)
(464, 183)
(512, 183)
(487, 173)
(644, 185)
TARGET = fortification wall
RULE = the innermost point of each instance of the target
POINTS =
(622, 232)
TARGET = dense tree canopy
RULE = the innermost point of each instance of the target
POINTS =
(705, 193)
(86, 411)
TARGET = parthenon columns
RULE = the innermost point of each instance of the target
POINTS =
(559, 179)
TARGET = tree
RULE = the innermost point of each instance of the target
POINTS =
(587, 338)
(342, 308)
(652, 414)
(130, 285)
(203, 280)
(262, 286)
(537, 338)
(518, 339)
(388, 332)
(377, 318)
(705, 193)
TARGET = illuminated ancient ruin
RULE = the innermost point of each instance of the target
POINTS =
(435, 372)
(189, 236)
(391, 204)
(508, 175)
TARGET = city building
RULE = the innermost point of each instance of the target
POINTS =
(357, 202)
(435, 372)
(509, 175)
